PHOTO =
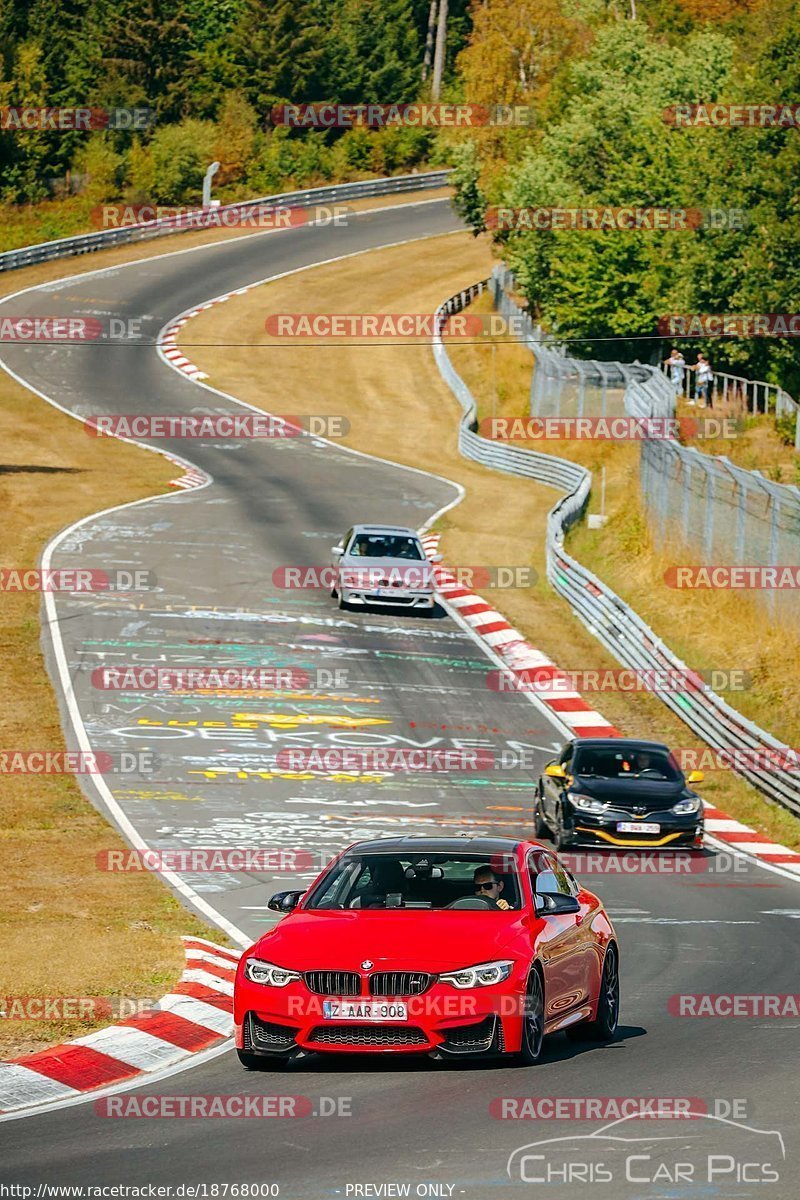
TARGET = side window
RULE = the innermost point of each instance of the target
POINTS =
(565, 757)
(537, 862)
(564, 884)
(346, 540)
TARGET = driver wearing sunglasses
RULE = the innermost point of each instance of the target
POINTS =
(487, 884)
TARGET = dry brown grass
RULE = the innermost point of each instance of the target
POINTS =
(68, 929)
(399, 408)
(756, 446)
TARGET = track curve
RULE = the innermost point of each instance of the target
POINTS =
(213, 552)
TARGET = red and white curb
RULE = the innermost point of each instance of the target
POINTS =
(517, 653)
(195, 1016)
(570, 707)
(168, 343)
(192, 476)
(746, 840)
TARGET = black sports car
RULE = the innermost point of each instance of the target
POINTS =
(620, 792)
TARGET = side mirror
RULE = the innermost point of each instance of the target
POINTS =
(284, 902)
(337, 549)
(695, 777)
(555, 771)
(548, 899)
(435, 558)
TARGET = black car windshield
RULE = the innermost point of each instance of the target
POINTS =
(625, 764)
(373, 545)
(411, 880)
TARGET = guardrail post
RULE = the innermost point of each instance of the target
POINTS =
(687, 489)
(775, 514)
(708, 534)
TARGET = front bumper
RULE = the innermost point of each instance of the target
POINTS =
(685, 829)
(284, 1022)
(388, 598)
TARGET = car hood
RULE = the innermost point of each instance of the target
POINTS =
(624, 793)
(416, 939)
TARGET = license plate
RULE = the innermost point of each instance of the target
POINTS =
(637, 827)
(364, 1010)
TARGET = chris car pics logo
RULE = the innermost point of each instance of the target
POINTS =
(642, 1151)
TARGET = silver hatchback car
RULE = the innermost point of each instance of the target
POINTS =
(383, 565)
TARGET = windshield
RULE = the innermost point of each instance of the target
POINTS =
(374, 545)
(625, 764)
(414, 881)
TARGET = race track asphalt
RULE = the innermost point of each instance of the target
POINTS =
(211, 555)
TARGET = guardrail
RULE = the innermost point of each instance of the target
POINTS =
(623, 633)
(87, 243)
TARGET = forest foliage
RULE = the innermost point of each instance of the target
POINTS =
(595, 75)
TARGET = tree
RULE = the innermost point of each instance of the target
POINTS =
(372, 52)
(279, 51)
(440, 50)
(25, 153)
(515, 49)
(236, 133)
(145, 50)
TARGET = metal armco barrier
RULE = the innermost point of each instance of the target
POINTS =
(606, 615)
(86, 243)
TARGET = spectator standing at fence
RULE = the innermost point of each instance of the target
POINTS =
(676, 364)
(705, 377)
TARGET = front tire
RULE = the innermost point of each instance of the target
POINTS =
(540, 827)
(532, 1021)
(604, 1027)
(562, 840)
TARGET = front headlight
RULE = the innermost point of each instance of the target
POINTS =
(587, 802)
(484, 975)
(690, 805)
(258, 971)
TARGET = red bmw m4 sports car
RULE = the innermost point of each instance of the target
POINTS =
(454, 947)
